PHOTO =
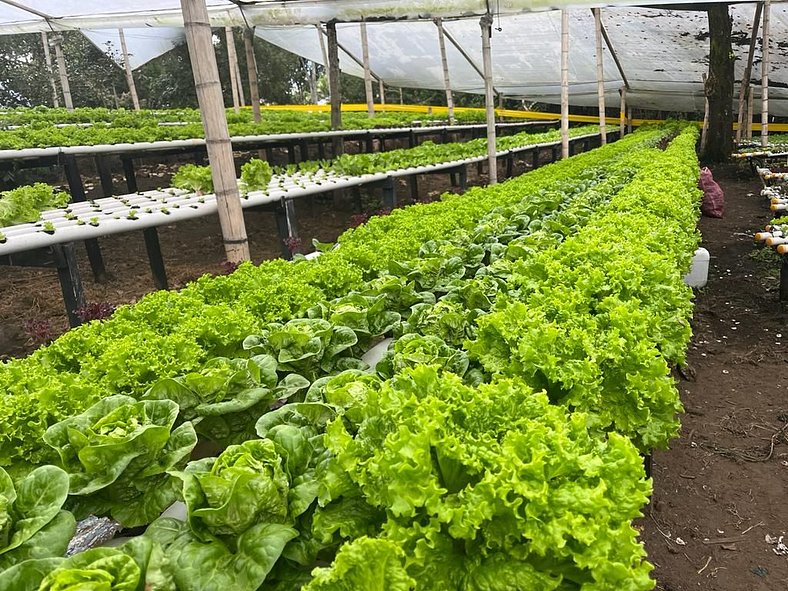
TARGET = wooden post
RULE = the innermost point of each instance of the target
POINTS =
(600, 75)
(232, 60)
(367, 73)
(705, 129)
(241, 96)
(564, 84)
(61, 66)
(622, 113)
(217, 136)
(489, 99)
(744, 89)
(382, 91)
(765, 76)
(401, 100)
(313, 81)
(445, 66)
(750, 101)
(135, 100)
(251, 73)
(334, 86)
(50, 73)
(321, 37)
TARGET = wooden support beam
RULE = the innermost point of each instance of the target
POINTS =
(70, 280)
(251, 73)
(334, 85)
(77, 190)
(50, 73)
(232, 63)
(321, 36)
(367, 73)
(61, 66)
(744, 88)
(492, 156)
(313, 80)
(241, 94)
(382, 91)
(564, 84)
(622, 113)
(217, 136)
(135, 100)
(600, 75)
(445, 67)
(765, 75)
(704, 131)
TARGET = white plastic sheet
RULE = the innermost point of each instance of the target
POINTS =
(143, 44)
(663, 54)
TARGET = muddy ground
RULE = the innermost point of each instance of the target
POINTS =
(721, 488)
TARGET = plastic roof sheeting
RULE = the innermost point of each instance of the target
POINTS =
(31, 16)
(664, 54)
(143, 44)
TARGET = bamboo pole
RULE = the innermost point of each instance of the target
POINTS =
(382, 91)
(489, 99)
(367, 73)
(61, 67)
(600, 75)
(251, 73)
(445, 67)
(622, 113)
(241, 95)
(313, 81)
(744, 89)
(135, 100)
(564, 84)
(321, 37)
(765, 76)
(705, 129)
(217, 136)
(232, 60)
(334, 86)
(50, 73)
(750, 101)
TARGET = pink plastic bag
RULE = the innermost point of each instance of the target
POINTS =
(713, 204)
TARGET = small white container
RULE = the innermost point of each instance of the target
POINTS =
(699, 272)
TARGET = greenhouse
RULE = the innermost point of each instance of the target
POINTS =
(334, 295)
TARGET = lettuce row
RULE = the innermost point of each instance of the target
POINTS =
(597, 320)
(168, 334)
(348, 392)
(119, 126)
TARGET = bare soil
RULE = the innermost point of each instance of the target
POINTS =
(721, 488)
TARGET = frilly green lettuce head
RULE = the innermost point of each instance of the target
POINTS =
(245, 485)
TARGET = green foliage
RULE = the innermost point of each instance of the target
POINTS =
(364, 563)
(255, 175)
(127, 568)
(33, 524)
(169, 334)
(194, 178)
(117, 454)
(471, 478)
(25, 204)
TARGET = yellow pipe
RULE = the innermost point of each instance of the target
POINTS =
(509, 113)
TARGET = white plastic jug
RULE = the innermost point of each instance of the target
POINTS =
(699, 272)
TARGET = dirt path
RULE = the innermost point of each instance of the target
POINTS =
(721, 488)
